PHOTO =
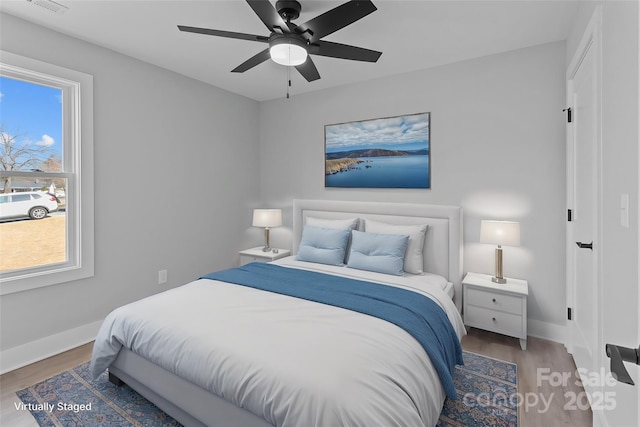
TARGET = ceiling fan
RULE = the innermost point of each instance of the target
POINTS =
(290, 44)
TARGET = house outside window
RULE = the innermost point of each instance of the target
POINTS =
(46, 174)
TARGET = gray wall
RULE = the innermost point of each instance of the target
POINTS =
(497, 147)
(498, 150)
(176, 166)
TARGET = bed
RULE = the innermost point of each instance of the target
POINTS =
(216, 352)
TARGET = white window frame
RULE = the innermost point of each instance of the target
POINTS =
(77, 117)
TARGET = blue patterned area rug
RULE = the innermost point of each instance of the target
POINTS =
(487, 396)
(74, 399)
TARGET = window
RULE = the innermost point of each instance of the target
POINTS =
(46, 174)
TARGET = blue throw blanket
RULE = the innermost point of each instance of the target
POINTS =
(417, 314)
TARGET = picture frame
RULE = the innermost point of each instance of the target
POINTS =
(390, 152)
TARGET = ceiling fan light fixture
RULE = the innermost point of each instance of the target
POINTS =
(290, 44)
(288, 51)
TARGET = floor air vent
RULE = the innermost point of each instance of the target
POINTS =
(51, 6)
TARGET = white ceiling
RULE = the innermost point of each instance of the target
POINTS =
(412, 34)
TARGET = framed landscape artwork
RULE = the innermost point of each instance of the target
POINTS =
(392, 152)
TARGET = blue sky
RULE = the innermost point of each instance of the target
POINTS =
(33, 112)
(394, 133)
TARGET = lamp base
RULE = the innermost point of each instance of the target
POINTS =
(498, 277)
(266, 248)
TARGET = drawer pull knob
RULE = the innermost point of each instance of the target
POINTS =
(494, 300)
(494, 319)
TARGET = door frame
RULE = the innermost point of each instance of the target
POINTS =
(591, 40)
(638, 407)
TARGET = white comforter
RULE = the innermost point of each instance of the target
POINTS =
(291, 361)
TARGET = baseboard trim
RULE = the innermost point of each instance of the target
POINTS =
(547, 331)
(35, 351)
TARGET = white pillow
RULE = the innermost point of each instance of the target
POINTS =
(413, 261)
(340, 224)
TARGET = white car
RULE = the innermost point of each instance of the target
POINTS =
(32, 204)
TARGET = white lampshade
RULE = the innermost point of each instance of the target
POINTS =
(503, 233)
(267, 217)
(287, 53)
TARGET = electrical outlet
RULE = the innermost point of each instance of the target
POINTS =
(624, 210)
(162, 277)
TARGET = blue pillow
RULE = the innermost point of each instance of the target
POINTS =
(323, 245)
(382, 253)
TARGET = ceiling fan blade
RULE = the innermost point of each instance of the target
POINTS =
(219, 33)
(252, 62)
(343, 51)
(308, 70)
(335, 19)
(269, 15)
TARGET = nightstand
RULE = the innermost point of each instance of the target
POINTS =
(256, 255)
(495, 307)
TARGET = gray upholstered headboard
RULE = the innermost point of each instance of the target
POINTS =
(443, 242)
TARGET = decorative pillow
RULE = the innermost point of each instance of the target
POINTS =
(340, 224)
(382, 253)
(323, 245)
(413, 260)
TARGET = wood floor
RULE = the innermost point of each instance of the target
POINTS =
(541, 360)
(24, 377)
(533, 411)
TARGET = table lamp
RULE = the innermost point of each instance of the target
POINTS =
(267, 218)
(499, 233)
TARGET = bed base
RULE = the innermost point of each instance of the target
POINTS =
(115, 380)
(190, 405)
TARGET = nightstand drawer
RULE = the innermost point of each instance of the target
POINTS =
(494, 301)
(496, 321)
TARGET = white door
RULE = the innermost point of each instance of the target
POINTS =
(584, 242)
(595, 303)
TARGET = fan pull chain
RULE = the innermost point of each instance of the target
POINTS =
(288, 80)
